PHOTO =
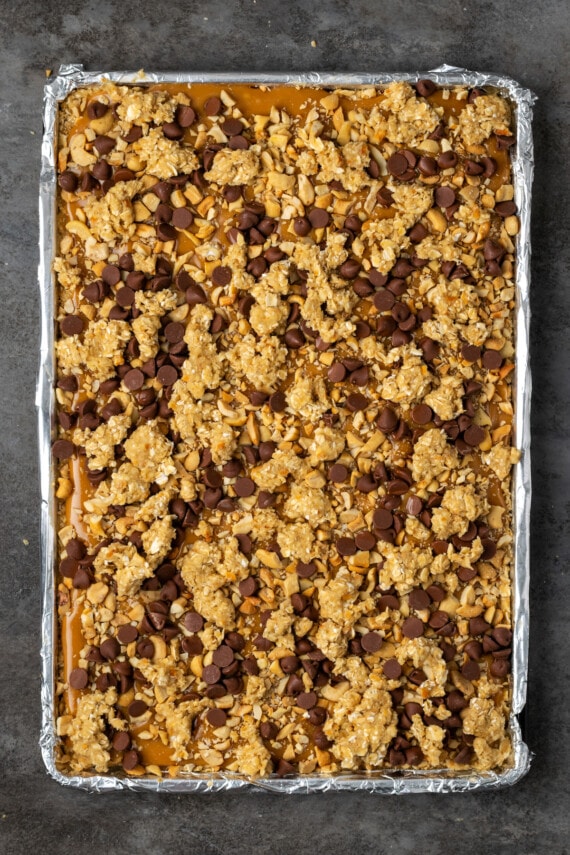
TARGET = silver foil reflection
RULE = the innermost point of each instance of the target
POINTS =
(71, 77)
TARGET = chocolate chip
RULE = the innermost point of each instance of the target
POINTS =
(500, 667)
(504, 141)
(211, 497)
(218, 324)
(430, 349)
(63, 449)
(239, 142)
(350, 268)
(371, 642)
(365, 541)
(385, 326)
(212, 478)
(474, 649)
(412, 627)
(110, 648)
(68, 181)
(232, 127)
(145, 648)
(121, 741)
(289, 664)
(69, 383)
(137, 708)
(384, 196)
(244, 487)
(505, 209)
(414, 506)
(444, 196)
(273, 254)
(294, 338)
(192, 645)
(472, 167)
(425, 87)
(134, 134)
(502, 635)
(422, 414)
(244, 541)
(319, 218)
(307, 700)
(182, 218)
(134, 379)
(428, 166)
(172, 131)
(248, 587)
(346, 546)
(213, 106)
(492, 360)
(94, 292)
(72, 325)
(104, 144)
(392, 669)
(127, 633)
(474, 435)
(387, 420)
(384, 300)
(305, 571)
(87, 183)
(167, 375)
(356, 402)
(193, 622)
(78, 678)
(268, 730)
(231, 469)
(360, 376)
(366, 484)
(211, 674)
(419, 599)
(336, 373)
(265, 499)
(362, 287)
(185, 115)
(400, 312)
(471, 670)
(417, 233)
(490, 166)
(284, 768)
(223, 656)
(302, 226)
(216, 717)
(447, 160)
(222, 275)
(417, 676)
(277, 402)
(251, 454)
(130, 760)
(382, 519)
(166, 232)
(294, 685)
(102, 170)
(195, 295)
(397, 164)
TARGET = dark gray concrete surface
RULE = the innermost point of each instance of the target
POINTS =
(527, 40)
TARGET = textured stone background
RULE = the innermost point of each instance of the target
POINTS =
(527, 40)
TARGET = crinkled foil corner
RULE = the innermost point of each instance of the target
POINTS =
(71, 77)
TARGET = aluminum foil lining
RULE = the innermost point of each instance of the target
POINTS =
(71, 77)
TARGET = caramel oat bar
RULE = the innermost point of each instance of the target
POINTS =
(284, 369)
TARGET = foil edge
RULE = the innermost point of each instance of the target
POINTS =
(72, 76)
